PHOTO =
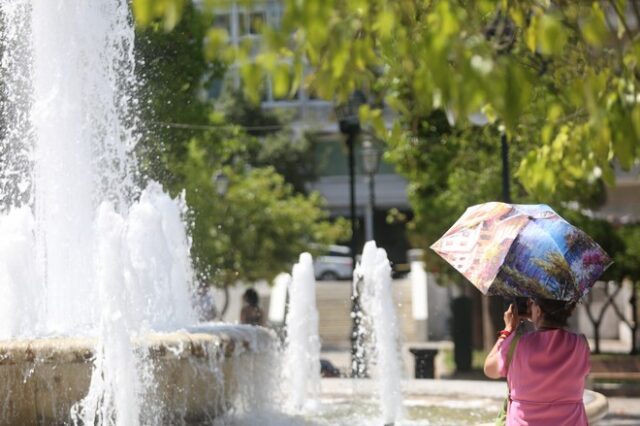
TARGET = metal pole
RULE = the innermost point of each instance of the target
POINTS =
(634, 316)
(372, 193)
(356, 358)
(368, 223)
(351, 139)
(489, 322)
(506, 192)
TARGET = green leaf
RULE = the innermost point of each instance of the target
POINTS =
(339, 62)
(216, 43)
(172, 13)
(535, 175)
(517, 94)
(531, 34)
(385, 23)
(555, 112)
(281, 80)
(268, 60)
(608, 175)
(594, 29)
(253, 78)
(168, 11)
(635, 119)
(623, 138)
(142, 12)
(551, 35)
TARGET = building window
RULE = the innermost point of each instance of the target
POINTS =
(250, 23)
(312, 95)
(215, 88)
(287, 97)
(222, 21)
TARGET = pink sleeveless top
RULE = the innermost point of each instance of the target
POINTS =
(546, 378)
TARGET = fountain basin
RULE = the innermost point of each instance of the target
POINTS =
(195, 373)
(433, 402)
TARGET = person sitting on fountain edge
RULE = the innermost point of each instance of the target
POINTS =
(545, 369)
(251, 312)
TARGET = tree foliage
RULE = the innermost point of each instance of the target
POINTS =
(169, 12)
(173, 74)
(559, 78)
(621, 242)
(277, 145)
(260, 225)
(561, 74)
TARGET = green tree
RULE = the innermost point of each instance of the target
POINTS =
(173, 75)
(261, 224)
(258, 227)
(562, 74)
(620, 241)
(559, 78)
(276, 145)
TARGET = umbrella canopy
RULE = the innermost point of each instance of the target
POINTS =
(522, 250)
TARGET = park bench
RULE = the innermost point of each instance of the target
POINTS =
(615, 374)
(424, 355)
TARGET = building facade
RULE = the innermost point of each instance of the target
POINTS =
(316, 119)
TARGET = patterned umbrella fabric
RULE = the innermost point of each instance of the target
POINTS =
(522, 250)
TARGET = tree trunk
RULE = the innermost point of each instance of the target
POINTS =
(596, 337)
(488, 335)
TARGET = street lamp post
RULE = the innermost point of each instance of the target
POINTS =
(370, 164)
(504, 150)
(347, 115)
(221, 183)
(488, 324)
(480, 120)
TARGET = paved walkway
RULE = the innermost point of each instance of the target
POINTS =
(622, 412)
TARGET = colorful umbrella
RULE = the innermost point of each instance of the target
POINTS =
(522, 250)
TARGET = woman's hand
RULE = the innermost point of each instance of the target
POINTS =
(511, 319)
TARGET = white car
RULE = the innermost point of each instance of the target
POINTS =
(335, 265)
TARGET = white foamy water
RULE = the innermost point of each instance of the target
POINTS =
(302, 353)
(142, 277)
(16, 150)
(379, 308)
(160, 273)
(115, 388)
(82, 250)
(68, 72)
(81, 56)
(20, 305)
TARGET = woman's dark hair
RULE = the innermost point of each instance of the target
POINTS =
(251, 297)
(556, 312)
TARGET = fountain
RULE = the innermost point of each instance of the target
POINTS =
(378, 304)
(96, 317)
(95, 275)
(386, 398)
(303, 344)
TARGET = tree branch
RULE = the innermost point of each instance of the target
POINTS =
(636, 10)
(622, 19)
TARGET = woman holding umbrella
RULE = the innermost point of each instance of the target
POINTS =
(518, 250)
(545, 369)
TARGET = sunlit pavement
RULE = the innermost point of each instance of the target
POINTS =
(622, 412)
(334, 298)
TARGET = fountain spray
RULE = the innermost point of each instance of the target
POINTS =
(95, 255)
(302, 351)
(379, 307)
